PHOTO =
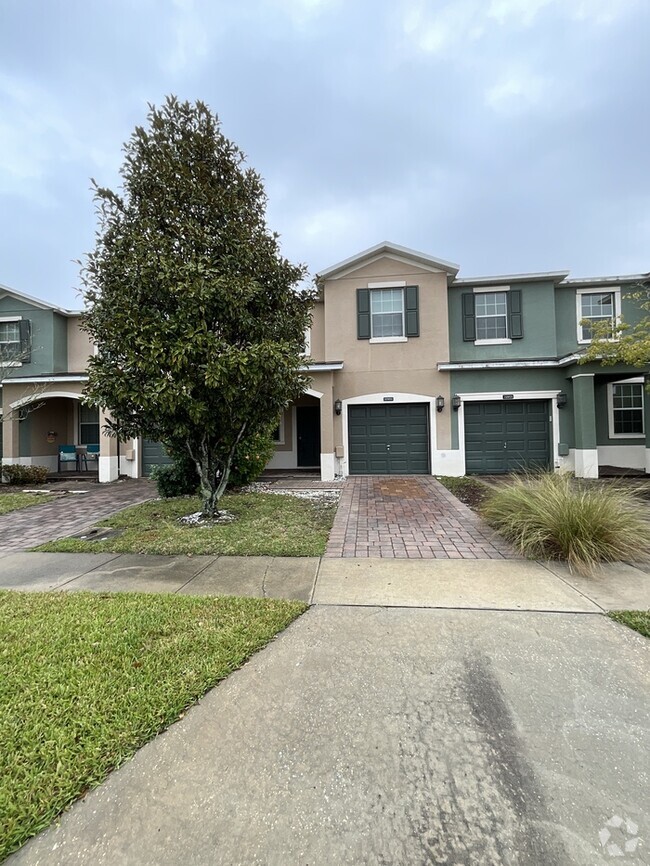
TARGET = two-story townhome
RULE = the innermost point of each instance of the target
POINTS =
(416, 370)
(43, 364)
(413, 370)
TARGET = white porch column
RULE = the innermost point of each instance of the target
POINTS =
(108, 458)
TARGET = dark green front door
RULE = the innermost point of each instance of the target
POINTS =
(153, 454)
(506, 436)
(389, 439)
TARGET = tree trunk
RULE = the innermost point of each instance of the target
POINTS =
(213, 479)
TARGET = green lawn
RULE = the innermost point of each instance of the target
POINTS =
(86, 679)
(266, 525)
(639, 620)
(14, 501)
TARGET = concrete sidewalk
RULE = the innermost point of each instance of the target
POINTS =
(482, 584)
(367, 735)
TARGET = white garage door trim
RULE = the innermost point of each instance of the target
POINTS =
(393, 397)
(485, 396)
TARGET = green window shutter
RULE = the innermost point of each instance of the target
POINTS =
(363, 314)
(412, 311)
(469, 322)
(25, 341)
(516, 318)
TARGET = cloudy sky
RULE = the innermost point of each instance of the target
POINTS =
(504, 135)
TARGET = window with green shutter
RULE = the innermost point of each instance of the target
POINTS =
(492, 316)
(388, 313)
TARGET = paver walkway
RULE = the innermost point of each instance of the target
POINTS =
(409, 517)
(20, 530)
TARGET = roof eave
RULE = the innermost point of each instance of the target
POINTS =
(388, 248)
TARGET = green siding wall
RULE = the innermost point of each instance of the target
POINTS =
(60, 343)
(42, 360)
(507, 381)
(566, 315)
(538, 314)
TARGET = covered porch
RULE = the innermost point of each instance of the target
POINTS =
(51, 427)
(610, 411)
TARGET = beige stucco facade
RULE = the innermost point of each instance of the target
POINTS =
(368, 371)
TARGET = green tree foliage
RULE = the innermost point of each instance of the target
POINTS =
(197, 316)
(623, 343)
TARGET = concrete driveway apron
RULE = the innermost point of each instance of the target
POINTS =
(409, 517)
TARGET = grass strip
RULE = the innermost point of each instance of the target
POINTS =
(265, 525)
(14, 501)
(86, 679)
(639, 620)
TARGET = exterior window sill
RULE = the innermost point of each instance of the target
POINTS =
(588, 342)
(505, 342)
(627, 435)
(12, 364)
(388, 340)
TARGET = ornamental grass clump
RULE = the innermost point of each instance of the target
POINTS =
(554, 516)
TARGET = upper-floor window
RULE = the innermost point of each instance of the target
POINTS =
(10, 339)
(15, 341)
(491, 313)
(387, 312)
(626, 409)
(492, 316)
(596, 307)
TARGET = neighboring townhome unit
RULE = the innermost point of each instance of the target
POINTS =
(43, 367)
(417, 371)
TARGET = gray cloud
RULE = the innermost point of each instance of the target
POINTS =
(502, 134)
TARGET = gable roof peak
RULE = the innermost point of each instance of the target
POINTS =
(388, 248)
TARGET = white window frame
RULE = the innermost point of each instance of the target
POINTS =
(401, 284)
(12, 319)
(610, 408)
(306, 352)
(498, 341)
(609, 290)
(280, 439)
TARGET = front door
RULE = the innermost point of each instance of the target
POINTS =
(308, 432)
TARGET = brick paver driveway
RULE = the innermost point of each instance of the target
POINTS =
(20, 530)
(409, 517)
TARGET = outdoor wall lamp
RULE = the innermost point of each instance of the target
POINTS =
(455, 402)
(561, 400)
(440, 403)
(338, 407)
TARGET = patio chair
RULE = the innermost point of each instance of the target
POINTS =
(67, 454)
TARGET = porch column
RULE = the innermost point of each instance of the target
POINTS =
(584, 418)
(327, 468)
(10, 439)
(108, 458)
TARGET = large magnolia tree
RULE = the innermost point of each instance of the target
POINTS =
(198, 318)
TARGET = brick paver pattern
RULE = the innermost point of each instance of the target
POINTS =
(409, 517)
(74, 512)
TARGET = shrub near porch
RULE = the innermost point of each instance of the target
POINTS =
(264, 525)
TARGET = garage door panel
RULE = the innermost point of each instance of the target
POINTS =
(506, 436)
(390, 439)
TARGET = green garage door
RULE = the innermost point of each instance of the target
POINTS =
(389, 439)
(153, 454)
(506, 436)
